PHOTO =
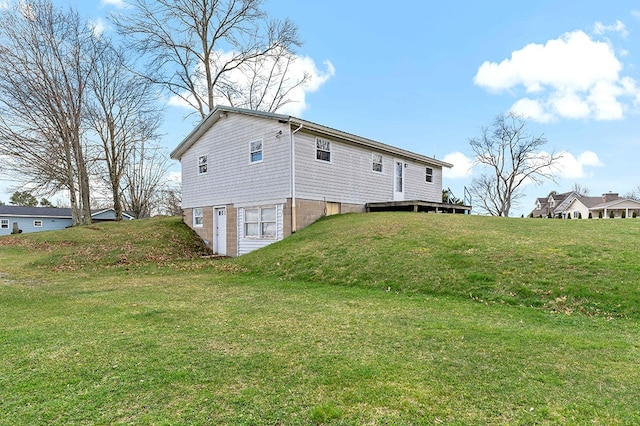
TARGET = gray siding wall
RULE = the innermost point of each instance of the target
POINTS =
(26, 224)
(349, 177)
(231, 177)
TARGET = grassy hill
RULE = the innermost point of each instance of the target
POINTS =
(589, 266)
(386, 318)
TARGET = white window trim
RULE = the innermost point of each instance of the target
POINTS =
(205, 163)
(427, 174)
(330, 151)
(374, 162)
(4, 223)
(261, 152)
(37, 223)
(259, 222)
(198, 225)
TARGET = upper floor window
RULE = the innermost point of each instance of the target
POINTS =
(323, 150)
(202, 164)
(4, 223)
(198, 218)
(256, 151)
(429, 174)
(376, 162)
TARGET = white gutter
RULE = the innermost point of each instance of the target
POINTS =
(294, 221)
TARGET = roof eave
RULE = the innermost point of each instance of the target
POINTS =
(213, 117)
(219, 112)
(308, 125)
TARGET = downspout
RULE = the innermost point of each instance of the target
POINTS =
(294, 221)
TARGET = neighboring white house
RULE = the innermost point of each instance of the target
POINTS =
(573, 205)
(250, 178)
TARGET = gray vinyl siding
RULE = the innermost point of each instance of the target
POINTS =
(26, 224)
(246, 245)
(349, 177)
(231, 177)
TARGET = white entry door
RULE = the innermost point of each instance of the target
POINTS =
(220, 230)
(398, 180)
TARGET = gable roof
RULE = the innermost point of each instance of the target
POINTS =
(590, 201)
(25, 211)
(616, 202)
(221, 110)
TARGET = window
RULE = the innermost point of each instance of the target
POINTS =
(260, 222)
(256, 151)
(198, 218)
(4, 224)
(377, 162)
(37, 224)
(202, 164)
(429, 174)
(323, 150)
(576, 214)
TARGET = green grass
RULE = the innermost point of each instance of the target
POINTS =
(292, 335)
(589, 266)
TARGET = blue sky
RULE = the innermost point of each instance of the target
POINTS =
(426, 76)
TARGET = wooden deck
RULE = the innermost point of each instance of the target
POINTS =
(417, 206)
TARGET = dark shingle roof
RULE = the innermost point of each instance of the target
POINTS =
(35, 211)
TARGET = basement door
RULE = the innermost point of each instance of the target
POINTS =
(220, 230)
(398, 180)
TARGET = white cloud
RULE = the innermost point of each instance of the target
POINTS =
(98, 26)
(120, 4)
(599, 28)
(175, 177)
(573, 77)
(531, 109)
(570, 167)
(296, 70)
(318, 78)
(462, 166)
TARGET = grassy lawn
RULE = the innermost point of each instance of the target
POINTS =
(438, 320)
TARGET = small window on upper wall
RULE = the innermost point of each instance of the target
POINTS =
(37, 224)
(429, 174)
(377, 162)
(323, 150)
(256, 151)
(202, 164)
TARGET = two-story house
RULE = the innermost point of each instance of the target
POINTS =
(250, 178)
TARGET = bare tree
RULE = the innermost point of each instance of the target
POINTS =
(123, 112)
(634, 194)
(170, 199)
(43, 72)
(144, 178)
(194, 46)
(580, 189)
(511, 158)
(263, 83)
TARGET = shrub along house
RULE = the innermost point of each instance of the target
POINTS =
(250, 178)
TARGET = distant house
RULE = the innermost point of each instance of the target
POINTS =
(37, 219)
(573, 205)
(250, 178)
